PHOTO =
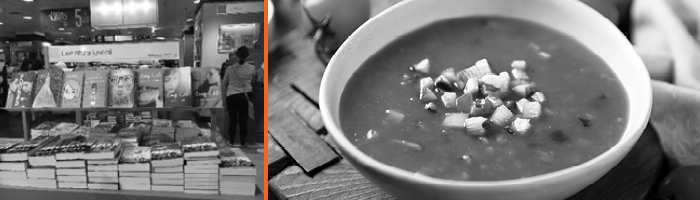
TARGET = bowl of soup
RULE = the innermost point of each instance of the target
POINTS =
(499, 99)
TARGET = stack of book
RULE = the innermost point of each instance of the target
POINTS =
(102, 164)
(202, 165)
(186, 129)
(42, 173)
(42, 129)
(131, 136)
(167, 173)
(163, 130)
(70, 165)
(63, 128)
(236, 173)
(135, 168)
(12, 173)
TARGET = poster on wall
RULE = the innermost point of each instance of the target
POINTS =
(232, 36)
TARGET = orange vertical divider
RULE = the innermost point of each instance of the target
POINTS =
(266, 92)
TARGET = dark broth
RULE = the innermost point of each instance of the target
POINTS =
(575, 80)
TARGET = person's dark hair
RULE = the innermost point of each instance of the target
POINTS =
(242, 53)
(32, 54)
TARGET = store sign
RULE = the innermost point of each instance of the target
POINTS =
(115, 52)
(248, 7)
(67, 18)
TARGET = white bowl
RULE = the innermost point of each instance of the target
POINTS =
(567, 16)
(270, 22)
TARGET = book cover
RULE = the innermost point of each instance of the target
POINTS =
(198, 144)
(121, 88)
(103, 149)
(177, 85)
(21, 90)
(72, 90)
(150, 88)
(136, 155)
(95, 89)
(63, 128)
(47, 91)
(206, 84)
(27, 146)
(7, 146)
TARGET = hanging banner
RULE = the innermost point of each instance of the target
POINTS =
(66, 18)
(115, 52)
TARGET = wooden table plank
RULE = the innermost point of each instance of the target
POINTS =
(340, 181)
(277, 159)
(309, 114)
(300, 142)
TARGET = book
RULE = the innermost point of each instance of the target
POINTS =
(72, 185)
(102, 173)
(134, 174)
(78, 179)
(16, 182)
(168, 188)
(135, 159)
(168, 181)
(113, 161)
(74, 149)
(44, 156)
(130, 135)
(21, 90)
(63, 128)
(171, 169)
(166, 154)
(43, 128)
(71, 171)
(212, 161)
(72, 90)
(206, 86)
(237, 171)
(103, 168)
(47, 91)
(214, 176)
(104, 128)
(13, 175)
(191, 170)
(95, 89)
(4, 146)
(134, 187)
(13, 166)
(199, 146)
(177, 86)
(122, 86)
(70, 164)
(102, 179)
(83, 130)
(150, 88)
(41, 173)
(198, 191)
(21, 151)
(135, 180)
(103, 149)
(102, 186)
(42, 183)
(168, 175)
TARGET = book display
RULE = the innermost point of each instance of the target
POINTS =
(117, 141)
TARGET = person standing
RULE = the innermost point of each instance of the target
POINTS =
(237, 85)
(32, 63)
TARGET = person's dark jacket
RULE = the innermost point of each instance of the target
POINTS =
(31, 64)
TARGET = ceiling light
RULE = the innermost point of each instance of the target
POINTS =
(46, 44)
(196, 1)
(1, 23)
(160, 38)
(27, 17)
(28, 0)
(61, 29)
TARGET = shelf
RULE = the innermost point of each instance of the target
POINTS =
(28, 193)
(106, 109)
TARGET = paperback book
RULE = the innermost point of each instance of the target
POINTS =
(95, 89)
(21, 90)
(122, 86)
(150, 88)
(72, 90)
(206, 83)
(177, 85)
(48, 88)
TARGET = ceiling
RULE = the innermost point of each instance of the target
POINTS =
(172, 20)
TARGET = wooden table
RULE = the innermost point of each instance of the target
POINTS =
(303, 168)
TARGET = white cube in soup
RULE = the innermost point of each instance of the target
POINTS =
(431, 106)
(450, 74)
(472, 86)
(524, 90)
(475, 126)
(443, 83)
(455, 120)
(493, 81)
(483, 64)
(520, 126)
(505, 81)
(539, 97)
(464, 102)
(494, 100)
(427, 96)
(518, 64)
(532, 110)
(428, 83)
(371, 134)
(520, 74)
(501, 116)
(422, 67)
(449, 99)
(394, 117)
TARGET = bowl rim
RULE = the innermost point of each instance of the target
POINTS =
(633, 129)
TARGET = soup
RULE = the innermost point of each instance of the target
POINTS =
(537, 102)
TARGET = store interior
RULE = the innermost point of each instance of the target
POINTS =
(153, 72)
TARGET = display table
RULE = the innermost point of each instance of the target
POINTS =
(26, 193)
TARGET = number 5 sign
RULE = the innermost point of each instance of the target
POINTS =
(66, 18)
